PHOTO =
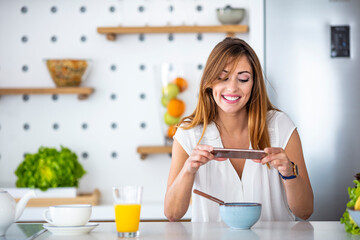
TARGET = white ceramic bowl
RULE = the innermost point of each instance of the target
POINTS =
(229, 15)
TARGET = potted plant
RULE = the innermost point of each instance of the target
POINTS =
(50, 169)
(351, 222)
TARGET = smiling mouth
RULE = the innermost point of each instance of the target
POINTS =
(231, 98)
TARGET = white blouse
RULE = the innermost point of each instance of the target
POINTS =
(219, 178)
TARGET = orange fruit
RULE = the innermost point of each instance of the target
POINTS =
(181, 83)
(171, 131)
(176, 107)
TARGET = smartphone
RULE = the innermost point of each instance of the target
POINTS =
(238, 153)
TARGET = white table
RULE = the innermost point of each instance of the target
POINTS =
(188, 230)
(149, 211)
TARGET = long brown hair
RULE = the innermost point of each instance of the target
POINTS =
(227, 52)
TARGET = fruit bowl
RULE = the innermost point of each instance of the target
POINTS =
(68, 72)
(229, 15)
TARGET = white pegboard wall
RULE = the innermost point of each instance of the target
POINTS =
(123, 112)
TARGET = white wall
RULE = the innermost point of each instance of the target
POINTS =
(38, 24)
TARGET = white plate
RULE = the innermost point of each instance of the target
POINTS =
(71, 230)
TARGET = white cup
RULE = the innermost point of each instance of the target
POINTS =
(68, 215)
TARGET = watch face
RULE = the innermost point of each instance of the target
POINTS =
(296, 171)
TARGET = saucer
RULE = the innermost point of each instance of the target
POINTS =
(70, 230)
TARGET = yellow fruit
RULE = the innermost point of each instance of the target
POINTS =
(170, 120)
(170, 91)
(164, 101)
(357, 204)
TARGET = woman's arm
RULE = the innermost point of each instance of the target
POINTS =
(181, 178)
(298, 190)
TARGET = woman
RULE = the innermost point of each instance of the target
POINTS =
(234, 111)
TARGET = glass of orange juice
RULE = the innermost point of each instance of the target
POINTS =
(127, 204)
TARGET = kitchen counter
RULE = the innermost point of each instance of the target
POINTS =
(149, 211)
(188, 230)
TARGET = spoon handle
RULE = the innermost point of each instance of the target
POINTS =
(209, 197)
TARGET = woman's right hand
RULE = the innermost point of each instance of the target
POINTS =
(199, 156)
(181, 178)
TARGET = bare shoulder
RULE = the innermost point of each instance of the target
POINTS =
(178, 152)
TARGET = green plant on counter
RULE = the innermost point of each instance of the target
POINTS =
(49, 168)
(354, 194)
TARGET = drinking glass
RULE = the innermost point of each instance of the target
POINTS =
(127, 204)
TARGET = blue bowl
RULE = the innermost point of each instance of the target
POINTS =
(240, 215)
(355, 215)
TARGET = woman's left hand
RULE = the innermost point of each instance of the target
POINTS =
(279, 160)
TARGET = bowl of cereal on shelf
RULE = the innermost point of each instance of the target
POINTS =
(68, 72)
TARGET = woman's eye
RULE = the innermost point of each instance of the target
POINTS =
(222, 79)
(244, 80)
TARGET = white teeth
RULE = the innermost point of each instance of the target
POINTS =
(231, 98)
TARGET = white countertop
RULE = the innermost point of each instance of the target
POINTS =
(196, 231)
(149, 211)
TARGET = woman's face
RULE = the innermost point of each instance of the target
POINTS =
(231, 93)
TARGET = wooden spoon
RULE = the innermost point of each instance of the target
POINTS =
(221, 202)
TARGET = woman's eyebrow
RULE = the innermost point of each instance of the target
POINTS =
(225, 71)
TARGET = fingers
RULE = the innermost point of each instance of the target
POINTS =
(200, 155)
(272, 150)
(278, 159)
(204, 147)
(272, 157)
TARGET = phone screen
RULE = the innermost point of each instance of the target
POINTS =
(238, 153)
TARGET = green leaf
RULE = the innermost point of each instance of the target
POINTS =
(354, 194)
(49, 168)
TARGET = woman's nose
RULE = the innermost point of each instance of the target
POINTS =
(232, 83)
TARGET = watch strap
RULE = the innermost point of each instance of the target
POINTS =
(295, 172)
(287, 177)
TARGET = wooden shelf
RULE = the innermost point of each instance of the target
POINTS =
(83, 92)
(230, 30)
(146, 150)
(90, 198)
